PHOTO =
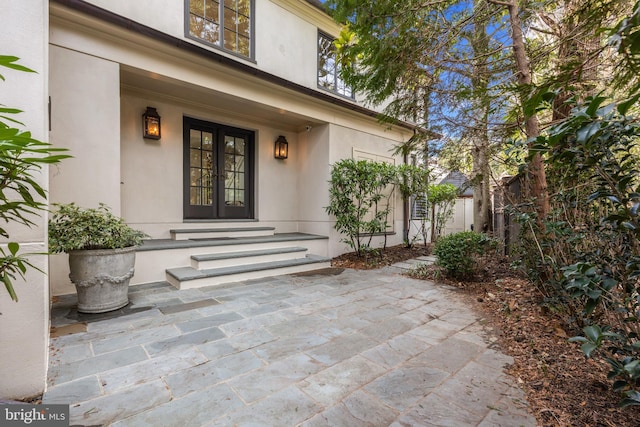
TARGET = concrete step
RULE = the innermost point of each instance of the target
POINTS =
(189, 277)
(155, 256)
(228, 259)
(220, 233)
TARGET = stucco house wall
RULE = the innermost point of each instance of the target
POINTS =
(142, 179)
(101, 69)
(25, 324)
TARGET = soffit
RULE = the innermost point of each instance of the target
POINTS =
(145, 83)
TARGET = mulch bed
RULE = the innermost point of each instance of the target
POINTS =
(563, 388)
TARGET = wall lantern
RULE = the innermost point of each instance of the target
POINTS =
(282, 148)
(151, 124)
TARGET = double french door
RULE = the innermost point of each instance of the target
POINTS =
(218, 171)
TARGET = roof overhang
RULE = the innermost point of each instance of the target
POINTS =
(129, 25)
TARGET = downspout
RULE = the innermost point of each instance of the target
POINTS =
(405, 215)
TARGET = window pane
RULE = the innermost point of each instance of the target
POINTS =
(204, 20)
(244, 46)
(196, 7)
(240, 143)
(244, 7)
(212, 12)
(196, 26)
(207, 196)
(211, 32)
(195, 197)
(229, 145)
(195, 176)
(230, 40)
(194, 138)
(328, 69)
(240, 198)
(228, 21)
(244, 27)
(195, 158)
(207, 141)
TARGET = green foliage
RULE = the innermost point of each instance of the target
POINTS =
(22, 197)
(11, 63)
(443, 197)
(74, 228)
(411, 181)
(359, 195)
(625, 39)
(358, 201)
(457, 252)
(590, 248)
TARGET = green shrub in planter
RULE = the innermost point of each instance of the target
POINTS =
(102, 251)
(456, 252)
(74, 228)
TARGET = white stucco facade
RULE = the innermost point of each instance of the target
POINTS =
(102, 62)
(124, 72)
(25, 324)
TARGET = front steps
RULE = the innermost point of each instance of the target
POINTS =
(217, 233)
(189, 277)
(210, 257)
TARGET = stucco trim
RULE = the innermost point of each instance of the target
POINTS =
(308, 10)
(130, 25)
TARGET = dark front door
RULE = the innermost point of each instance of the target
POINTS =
(218, 171)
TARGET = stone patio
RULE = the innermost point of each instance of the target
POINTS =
(330, 348)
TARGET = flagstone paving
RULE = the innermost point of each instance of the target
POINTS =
(330, 348)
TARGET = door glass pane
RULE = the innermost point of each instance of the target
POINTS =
(201, 168)
(195, 196)
(234, 160)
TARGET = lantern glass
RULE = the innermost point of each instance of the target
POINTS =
(151, 124)
(281, 148)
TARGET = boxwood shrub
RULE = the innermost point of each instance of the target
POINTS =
(456, 252)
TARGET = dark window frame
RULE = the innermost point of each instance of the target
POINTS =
(346, 91)
(221, 41)
(219, 210)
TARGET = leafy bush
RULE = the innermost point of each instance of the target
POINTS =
(456, 252)
(590, 250)
(358, 201)
(413, 181)
(75, 228)
(442, 196)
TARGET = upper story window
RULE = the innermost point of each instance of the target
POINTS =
(329, 68)
(225, 23)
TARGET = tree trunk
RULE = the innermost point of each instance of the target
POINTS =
(481, 188)
(575, 57)
(537, 181)
(480, 135)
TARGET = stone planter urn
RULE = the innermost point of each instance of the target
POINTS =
(102, 254)
(101, 278)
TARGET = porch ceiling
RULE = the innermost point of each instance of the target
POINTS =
(182, 92)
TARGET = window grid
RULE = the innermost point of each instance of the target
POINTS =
(225, 24)
(329, 68)
(201, 160)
